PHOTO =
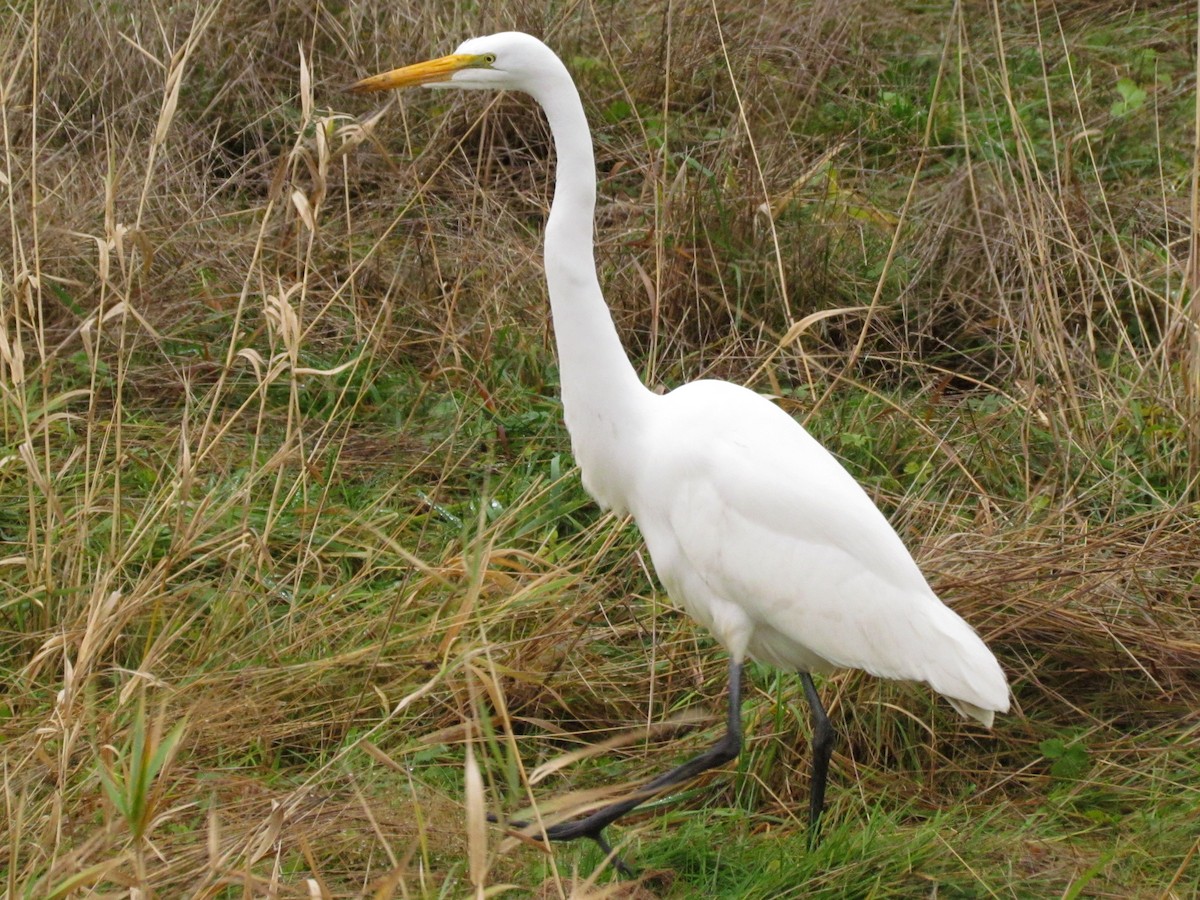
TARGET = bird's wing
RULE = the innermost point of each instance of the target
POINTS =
(753, 525)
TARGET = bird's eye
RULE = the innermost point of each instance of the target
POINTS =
(489, 58)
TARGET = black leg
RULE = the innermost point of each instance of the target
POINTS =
(610, 853)
(727, 748)
(823, 736)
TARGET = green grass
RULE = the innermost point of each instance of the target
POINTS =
(297, 577)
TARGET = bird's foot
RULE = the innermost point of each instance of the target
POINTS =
(814, 835)
(586, 827)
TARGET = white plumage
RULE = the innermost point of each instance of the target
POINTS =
(753, 527)
(762, 536)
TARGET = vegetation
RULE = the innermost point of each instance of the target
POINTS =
(297, 579)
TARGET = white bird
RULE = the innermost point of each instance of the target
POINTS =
(753, 527)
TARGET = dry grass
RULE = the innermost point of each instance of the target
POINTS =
(295, 577)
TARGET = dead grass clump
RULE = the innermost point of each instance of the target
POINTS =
(1107, 612)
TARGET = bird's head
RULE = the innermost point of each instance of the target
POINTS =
(509, 60)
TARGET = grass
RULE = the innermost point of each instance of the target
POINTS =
(297, 579)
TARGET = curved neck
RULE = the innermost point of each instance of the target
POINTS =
(590, 356)
(602, 395)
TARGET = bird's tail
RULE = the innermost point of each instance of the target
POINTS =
(966, 673)
(984, 716)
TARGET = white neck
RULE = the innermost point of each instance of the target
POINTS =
(603, 399)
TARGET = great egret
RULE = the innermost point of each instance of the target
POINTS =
(753, 527)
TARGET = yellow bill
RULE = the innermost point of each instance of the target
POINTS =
(429, 72)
